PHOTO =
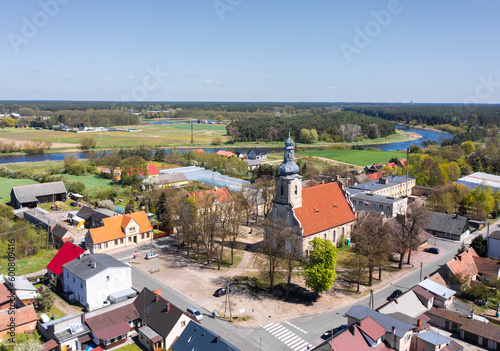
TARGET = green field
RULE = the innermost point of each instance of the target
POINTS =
(355, 157)
(154, 135)
(30, 264)
(35, 166)
(6, 185)
(93, 181)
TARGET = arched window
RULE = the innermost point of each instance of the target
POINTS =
(281, 188)
(296, 190)
(343, 230)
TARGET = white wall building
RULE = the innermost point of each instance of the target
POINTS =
(92, 278)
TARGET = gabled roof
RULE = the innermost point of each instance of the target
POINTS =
(59, 231)
(371, 328)
(156, 312)
(20, 283)
(374, 176)
(487, 266)
(359, 313)
(152, 170)
(169, 178)
(447, 223)
(113, 227)
(225, 153)
(222, 195)
(83, 267)
(112, 323)
(464, 264)
(195, 336)
(24, 315)
(348, 341)
(437, 289)
(66, 253)
(494, 235)
(4, 296)
(29, 193)
(433, 338)
(407, 303)
(323, 206)
(422, 293)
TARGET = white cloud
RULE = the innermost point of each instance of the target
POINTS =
(218, 83)
(208, 81)
(131, 77)
(331, 88)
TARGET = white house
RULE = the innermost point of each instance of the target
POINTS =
(93, 279)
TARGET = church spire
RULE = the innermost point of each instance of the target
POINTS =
(288, 167)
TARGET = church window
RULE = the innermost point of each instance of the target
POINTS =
(324, 236)
(343, 231)
(334, 235)
(281, 188)
(296, 190)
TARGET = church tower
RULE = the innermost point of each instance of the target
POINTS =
(288, 185)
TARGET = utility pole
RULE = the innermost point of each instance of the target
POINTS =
(407, 163)
(420, 271)
(229, 301)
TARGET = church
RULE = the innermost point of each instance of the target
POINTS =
(323, 211)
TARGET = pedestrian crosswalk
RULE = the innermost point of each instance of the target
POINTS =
(288, 337)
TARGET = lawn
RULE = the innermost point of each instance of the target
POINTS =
(35, 166)
(30, 264)
(6, 185)
(93, 181)
(355, 157)
(130, 347)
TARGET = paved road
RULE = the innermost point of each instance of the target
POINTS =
(295, 334)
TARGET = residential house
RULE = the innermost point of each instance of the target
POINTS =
(257, 154)
(408, 304)
(93, 217)
(394, 186)
(76, 221)
(162, 321)
(70, 333)
(421, 190)
(321, 211)
(5, 297)
(119, 210)
(425, 296)
(398, 334)
(24, 321)
(252, 164)
(111, 325)
(34, 194)
(443, 297)
(39, 218)
(67, 253)
(118, 232)
(469, 266)
(22, 288)
(389, 206)
(493, 240)
(472, 330)
(225, 153)
(172, 180)
(197, 337)
(215, 197)
(92, 278)
(60, 236)
(449, 226)
(431, 341)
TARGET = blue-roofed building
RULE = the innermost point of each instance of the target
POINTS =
(119, 210)
(197, 337)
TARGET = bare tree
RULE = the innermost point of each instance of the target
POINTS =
(265, 185)
(349, 131)
(272, 249)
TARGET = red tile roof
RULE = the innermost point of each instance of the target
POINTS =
(349, 342)
(68, 252)
(487, 266)
(464, 264)
(225, 153)
(323, 207)
(152, 170)
(221, 194)
(374, 176)
(49, 345)
(24, 315)
(4, 297)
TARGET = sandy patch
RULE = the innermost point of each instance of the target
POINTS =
(22, 143)
(198, 282)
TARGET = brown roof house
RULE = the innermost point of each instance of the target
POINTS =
(321, 211)
(469, 266)
(162, 321)
(118, 232)
(25, 321)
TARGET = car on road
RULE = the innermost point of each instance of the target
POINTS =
(221, 292)
(151, 255)
(432, 250)
(395, 294)
(194, 313)
(329, 333)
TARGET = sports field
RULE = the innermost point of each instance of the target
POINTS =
(6, 185)
(355, 157)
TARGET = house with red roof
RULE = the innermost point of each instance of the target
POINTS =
(68, 252)
(225, 153)
(24, 321)
(118, 232)
(322, 211)
(5, 297)
(212, 197)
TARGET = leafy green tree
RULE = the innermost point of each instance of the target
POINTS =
(45, 300)
(319, 270)
(468, 147)
(132, 167)
(479, 245)
(87, 143)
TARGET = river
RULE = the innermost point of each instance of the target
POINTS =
(403, 145)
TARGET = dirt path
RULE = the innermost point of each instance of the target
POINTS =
(67, 309)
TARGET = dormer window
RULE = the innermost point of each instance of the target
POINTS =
(131, 230)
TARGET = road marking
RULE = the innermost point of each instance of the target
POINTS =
(293, 325)
(288, 337)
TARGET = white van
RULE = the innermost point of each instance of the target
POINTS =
(194, 313)
(151, 255)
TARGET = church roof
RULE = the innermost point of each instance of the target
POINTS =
(323, 207)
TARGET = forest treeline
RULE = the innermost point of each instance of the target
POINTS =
(333, 126)
(87, 118)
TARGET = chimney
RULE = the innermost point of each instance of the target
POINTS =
(168, 307)
(80, 256)
(217, 338)
(157, 291)
(93, 265)
(419, 323)
(157, 298)
(393, 333)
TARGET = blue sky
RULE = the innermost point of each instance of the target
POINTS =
(242, 50)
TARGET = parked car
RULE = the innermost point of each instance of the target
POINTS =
(329, 333)
(151, 255)
(395, 294)
(481, 303)
(74, 204)
(194, 313)
(433, 250)
(221, 292)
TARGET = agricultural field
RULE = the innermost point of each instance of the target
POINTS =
(6, 185)
(355, 157)
(93, 181)
(154, 135)
(35, 166)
